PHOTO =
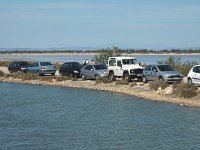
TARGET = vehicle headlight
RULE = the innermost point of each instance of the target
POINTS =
(76, 71)
(131, 71)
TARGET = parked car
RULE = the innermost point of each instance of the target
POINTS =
(161, 72)
(71, 69)
(18, 66)
(124, 67)
(194, 75)
(42, 68)
(94, 71)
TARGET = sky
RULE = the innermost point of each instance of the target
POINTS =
(151, 24)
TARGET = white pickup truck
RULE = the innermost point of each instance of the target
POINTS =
(126, 67)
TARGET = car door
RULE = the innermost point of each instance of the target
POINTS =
(154, 73)
(147, 72)
(196, 74)
(119, 71)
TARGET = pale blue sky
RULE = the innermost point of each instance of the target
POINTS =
(100, 23)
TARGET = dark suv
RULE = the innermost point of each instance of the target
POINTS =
(18, 66)
(71, 69)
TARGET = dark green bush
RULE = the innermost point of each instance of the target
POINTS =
(158, 83)
(185, 90)
(4, 63)
(1, 73)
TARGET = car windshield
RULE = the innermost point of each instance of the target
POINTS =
(165, 68)
(45, 63)
(99, 67)
(77, 65)
(129, 61)
(23, 63)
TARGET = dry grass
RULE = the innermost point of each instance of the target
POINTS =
(185, 90)
(156, 84)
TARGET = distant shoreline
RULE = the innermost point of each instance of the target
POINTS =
(96, 53)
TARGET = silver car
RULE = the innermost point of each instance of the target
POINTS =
(42, 68)
(94, 71)
(161, 72)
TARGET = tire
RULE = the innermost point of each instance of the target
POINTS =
(96, 77)
(126, 77)
(112, 76)
(10, 71)
(83, 77)
(144, 79)
(190, 81)
(160, 78)
(53, 74)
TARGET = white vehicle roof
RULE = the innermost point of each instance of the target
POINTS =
(121, 57)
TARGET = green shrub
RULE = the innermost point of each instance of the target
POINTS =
(104, 80)
(185, 90)
(4, 63)
(1, 73)
(156, 84)
(121, 82)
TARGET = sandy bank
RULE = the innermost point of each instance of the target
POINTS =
(139, 90)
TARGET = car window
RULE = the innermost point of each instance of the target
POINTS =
(129, 61)
(35, 64)
(148, 68)
(88, 67)
(112, 62)
(196, 69)
(165, 68)
(99, 67)
(45, 63)
(119, 63)
(154, 68)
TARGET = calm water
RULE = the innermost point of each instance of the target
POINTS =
(43, 117)
(144, 59)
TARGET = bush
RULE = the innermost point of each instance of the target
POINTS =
(185, 90)
(104, 80)
(156, 84)
(104, 54)
(4, 63)
(1, 73)
(133, 84)
(121, 82)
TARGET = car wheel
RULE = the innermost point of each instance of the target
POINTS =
(112, 76)
(83, 77)
(96, 77)
(144, 79)
(190, 81)
(160, 78)
(53, 74)
(39, 74)
(10, 71)
(126, 77)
